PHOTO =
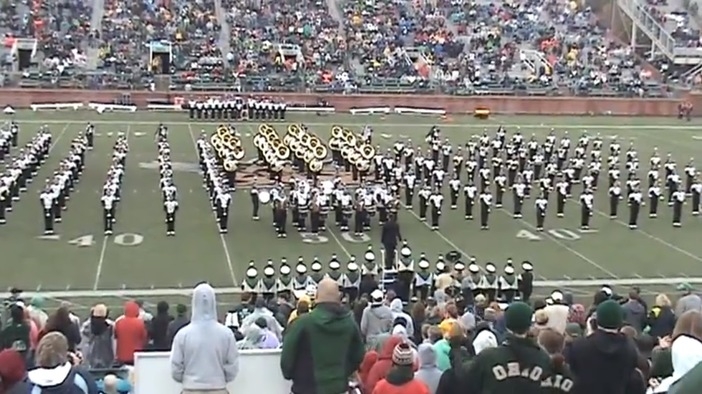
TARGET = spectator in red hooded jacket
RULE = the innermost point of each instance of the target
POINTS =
(13, 373)
(380, 369)
(400, 378)
(130, 334)
(369, 360)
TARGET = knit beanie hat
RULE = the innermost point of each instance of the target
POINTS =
(518, 317)
(403, 355)
(12, 368)
(610, 315)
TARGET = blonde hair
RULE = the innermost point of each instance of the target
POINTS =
(663, 300)
(52, 350)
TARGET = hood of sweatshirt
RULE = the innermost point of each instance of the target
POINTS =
(131, 309)
(330, 318)
(396, 305)
(54, 380)
(204, 304)
(389, 347)
(427, 356)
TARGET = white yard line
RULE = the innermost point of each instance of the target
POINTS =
(165, 292)
(227, 256)
(103, 247)
(390, 124)
(584, 258)
(435, 232)
(653, 238)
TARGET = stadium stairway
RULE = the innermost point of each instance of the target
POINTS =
(224, 34)
(92, 52)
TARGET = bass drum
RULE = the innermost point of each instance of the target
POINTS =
(264, 197)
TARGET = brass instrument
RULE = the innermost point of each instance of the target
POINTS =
(351, 147)
(306, 146)
(227, 146)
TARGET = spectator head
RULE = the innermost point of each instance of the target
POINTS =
(573, 331)
(685, 288)
(419, 312)
(403, 355)
(260, 303)
(555, 298)
(261, 322)
(376, 298)
(467, 321)
(552, 342)
(600, 297)
(610, 316)
(52, 350)
(99, 310)
(399, 331)
(689, 324)
(204, 303)
(663, 300)
(328, 291)
(162, 308)
(12, 369)
(181, 310)
(451, 311)
(518, 318)
(434, 334)
(539, 304)
(303, 306)
(480, 300)
(541, 318)
(490, 315)
(110, 384)
(629, 332)
(61, 319)
(17, 313)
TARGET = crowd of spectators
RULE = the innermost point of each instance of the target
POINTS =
(377, 345)
(453, 46)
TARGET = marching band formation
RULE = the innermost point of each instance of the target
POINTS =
(168, 189)
(237, 109)
(112, 188)
(356, 278)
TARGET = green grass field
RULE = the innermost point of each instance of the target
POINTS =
(80, 264)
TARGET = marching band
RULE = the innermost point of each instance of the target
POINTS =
(237, 109)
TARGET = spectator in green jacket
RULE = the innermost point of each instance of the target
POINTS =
(323, 348)
(16, 335)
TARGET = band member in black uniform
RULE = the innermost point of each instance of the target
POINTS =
(423, 279)
(586, 207)
(561, 197)
(316, 276)
(410, 180)
(284, 285)
(268, 282)
(171, 206)
(280, 216)
(405, 273)
(90, 136)
(541, 204)
(301, 279)
(255, 201)
(615, 195)
(359, 217)
(14, 133)
(470, 282)
(222, 202)
(519, 192)
(678, 202)
(470, 193)
(352, 280)
(252, 283)
(335, 273)
(508, 284)
(526, 281)
(455, 190)
(4, 196)
(654, 196)
(485, 202)
(108, 205)
(423, 195)
(635, 202)
(696, 191)
(436, 201)
(389, 237)
(47, 203)
(315, 214)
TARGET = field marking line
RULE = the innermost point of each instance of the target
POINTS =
(435, 232)
(652, 237)
(59, 136)
(227, 256)
(103, 247)
(584, 258)
(387, 124)
(165, 292)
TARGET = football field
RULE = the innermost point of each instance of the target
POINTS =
(80, 264)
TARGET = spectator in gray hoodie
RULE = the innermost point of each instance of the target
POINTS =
(377, 318)
(397, 312)
(635, 313)
(204, 355)
(98, 346)
(260, 311)
(428, 372)
(688, 301)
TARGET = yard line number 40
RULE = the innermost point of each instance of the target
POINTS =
(560, 233)
(124, 239)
